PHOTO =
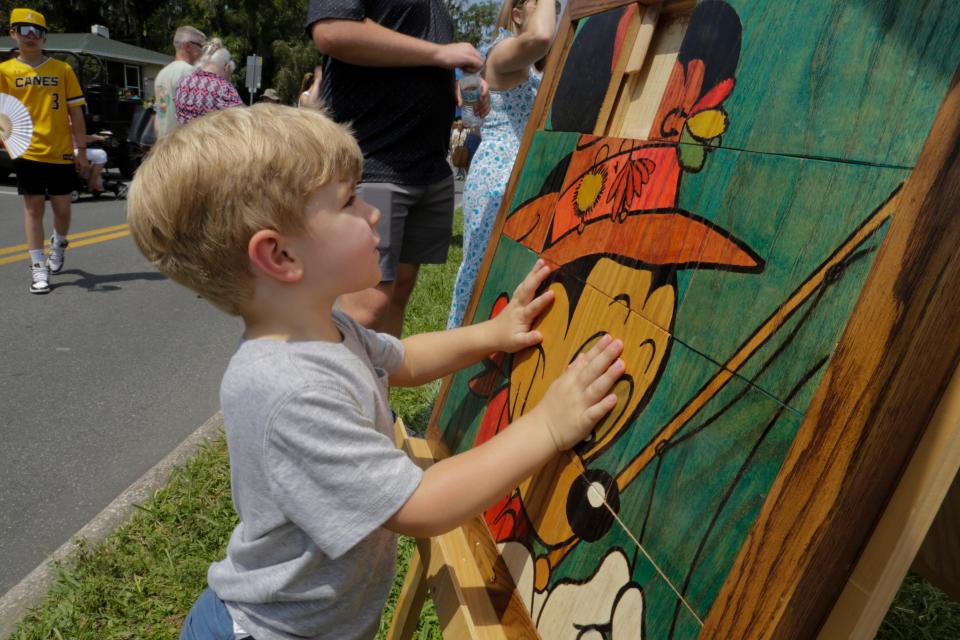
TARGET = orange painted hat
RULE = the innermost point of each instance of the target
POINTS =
(619, 198)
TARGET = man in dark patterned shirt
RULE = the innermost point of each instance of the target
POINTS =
(389, 73)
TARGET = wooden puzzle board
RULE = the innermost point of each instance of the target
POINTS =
(741, 191)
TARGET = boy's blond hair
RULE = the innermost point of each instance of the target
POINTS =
(208, 186)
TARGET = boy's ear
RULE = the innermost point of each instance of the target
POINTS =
(272, 255)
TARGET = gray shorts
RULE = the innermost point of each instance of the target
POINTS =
(416, 222)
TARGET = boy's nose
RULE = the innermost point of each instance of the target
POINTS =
(374, 215)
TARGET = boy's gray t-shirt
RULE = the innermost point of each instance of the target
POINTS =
(314, 475)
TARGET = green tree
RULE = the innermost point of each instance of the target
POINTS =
(474, 22)
(245, 26)
(293, 60)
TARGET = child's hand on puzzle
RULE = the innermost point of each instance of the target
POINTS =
(512, 326)
(579, 398)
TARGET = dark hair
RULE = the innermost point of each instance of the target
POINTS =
(307, 81)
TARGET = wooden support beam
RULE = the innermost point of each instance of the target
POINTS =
(939, 558)
(906, 521)
(413, 594)
(465, 575)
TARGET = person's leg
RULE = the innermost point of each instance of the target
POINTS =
(403, 286)
(98, 160)
(61, 225)
(30, 185)
(479, 211)
(371, 307)
(62, 178)
(61, 213)
(93, 182)
(426, 241)
(33, 208)
(208, 619)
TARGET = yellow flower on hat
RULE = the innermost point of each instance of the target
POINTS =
(708, 124)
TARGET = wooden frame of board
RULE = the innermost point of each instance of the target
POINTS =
(881, 387)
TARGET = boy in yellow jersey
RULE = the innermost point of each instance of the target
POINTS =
(50, 91)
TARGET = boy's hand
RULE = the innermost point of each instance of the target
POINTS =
(579, 398)
(511, 327)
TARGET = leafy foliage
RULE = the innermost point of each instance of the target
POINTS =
(474, 21)
(273, 29)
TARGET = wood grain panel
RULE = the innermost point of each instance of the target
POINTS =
(891, 367)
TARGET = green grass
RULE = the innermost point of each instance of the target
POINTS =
(921, 612)
(140, 582)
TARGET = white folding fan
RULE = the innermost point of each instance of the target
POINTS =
(16, 125)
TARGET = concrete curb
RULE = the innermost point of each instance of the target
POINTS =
(30, 591)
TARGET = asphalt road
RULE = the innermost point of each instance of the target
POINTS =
(101, 378)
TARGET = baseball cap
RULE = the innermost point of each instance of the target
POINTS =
(28, 16)
(272, 94)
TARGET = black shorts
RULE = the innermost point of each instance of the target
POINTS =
(44, 178)
(416, 222)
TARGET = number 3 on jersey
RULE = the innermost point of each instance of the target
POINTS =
(56, 101)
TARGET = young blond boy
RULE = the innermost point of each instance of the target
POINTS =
(256, 210)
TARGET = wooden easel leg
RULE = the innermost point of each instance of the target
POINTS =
(410, 602)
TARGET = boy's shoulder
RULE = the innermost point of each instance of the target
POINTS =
(275, 367)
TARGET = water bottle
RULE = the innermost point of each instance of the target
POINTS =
(470, 94)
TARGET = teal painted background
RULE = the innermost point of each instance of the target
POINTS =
(832, 104)
(849, 80)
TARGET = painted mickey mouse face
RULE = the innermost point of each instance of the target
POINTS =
(638, 313)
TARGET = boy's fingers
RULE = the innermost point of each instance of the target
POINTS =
(577, 362)
(605, 381)
(599, 346)
(599, 358)
(528, 287)
(531, 338)
(596, 411)
(539, 304)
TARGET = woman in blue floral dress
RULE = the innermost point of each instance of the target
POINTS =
(525, 30)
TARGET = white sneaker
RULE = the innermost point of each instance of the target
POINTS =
(41, 278)
(55, 260)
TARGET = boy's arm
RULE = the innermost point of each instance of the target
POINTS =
(368, 44)
(460, 487)
(428, 356)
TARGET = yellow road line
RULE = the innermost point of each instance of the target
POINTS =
(88, 237)
(71, 237)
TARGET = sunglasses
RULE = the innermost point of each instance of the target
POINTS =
(25, 30)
